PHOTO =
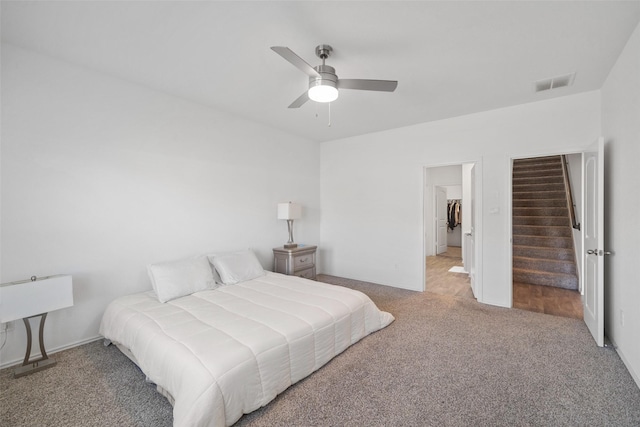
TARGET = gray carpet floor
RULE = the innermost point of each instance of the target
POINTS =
(445, 361)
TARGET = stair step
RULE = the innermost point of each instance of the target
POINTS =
(558, 280)
(565, 254)
(538, 167)
(555, 166)
(546, 159)
(540, 185)
(541, 212)
(544, 241)
(539, 203)
(521, 195)
(541, 220)
(538, 173)
(539, 161)
(549, 265)
(552, 179)
(542, 230)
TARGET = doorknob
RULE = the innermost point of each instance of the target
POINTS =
(598, 252)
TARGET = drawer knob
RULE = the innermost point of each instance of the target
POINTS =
(303, 259)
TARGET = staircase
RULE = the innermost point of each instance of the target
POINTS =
(543, 252)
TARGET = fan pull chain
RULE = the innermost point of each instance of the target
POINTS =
(329, 124)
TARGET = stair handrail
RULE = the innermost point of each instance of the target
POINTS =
(567, 185)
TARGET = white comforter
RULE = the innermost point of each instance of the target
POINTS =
(226, 352)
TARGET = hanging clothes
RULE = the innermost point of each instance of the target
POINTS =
(453, 214)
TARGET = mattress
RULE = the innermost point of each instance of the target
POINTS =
(226, 352)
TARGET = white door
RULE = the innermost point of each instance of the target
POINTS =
(593, 258)
(441, 220)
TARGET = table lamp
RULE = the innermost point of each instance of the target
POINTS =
(289, 211)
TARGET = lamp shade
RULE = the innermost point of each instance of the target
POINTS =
(289, 210)
(27, 298)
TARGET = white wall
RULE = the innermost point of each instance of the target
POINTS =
(453, 191)
(101, 177)
(446, 176)
(371, 186)
(621, 129)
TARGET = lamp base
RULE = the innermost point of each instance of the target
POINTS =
(33, 367)
(290, 245)
(29, 365)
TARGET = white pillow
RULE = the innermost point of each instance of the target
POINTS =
(237, 267)
(216, 275)
(176, 279)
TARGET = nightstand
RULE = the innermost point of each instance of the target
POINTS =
(300, 261)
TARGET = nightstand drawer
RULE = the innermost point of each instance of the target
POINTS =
(303, 261)
(309, 273)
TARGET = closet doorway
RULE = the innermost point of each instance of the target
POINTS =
(449, 222)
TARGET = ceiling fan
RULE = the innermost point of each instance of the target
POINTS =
(323, 81)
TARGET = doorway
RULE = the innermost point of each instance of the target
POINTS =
(449, 230)
(546, 239)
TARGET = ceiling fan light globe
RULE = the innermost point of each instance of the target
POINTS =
(323, 93)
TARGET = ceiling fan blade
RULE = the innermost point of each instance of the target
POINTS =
(300, 101)
(298, 62)
(361, 84)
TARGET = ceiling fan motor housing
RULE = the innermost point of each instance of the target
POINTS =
(327, 77)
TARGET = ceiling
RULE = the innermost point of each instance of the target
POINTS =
(450, 58)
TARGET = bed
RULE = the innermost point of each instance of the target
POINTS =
(224, 351)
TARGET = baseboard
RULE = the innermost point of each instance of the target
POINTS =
(51, 351)
(634, 375)
(495, 303)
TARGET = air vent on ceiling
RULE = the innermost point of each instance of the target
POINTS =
(554, 82)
